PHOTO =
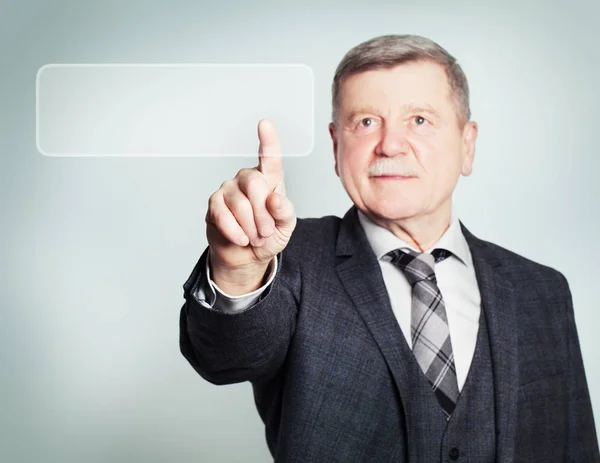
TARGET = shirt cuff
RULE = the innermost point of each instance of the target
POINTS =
(211, 296)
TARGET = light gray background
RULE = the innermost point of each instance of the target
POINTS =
(94, 251)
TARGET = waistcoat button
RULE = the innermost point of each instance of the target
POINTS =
(453, 453)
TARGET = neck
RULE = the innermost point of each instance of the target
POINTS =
(420, 232)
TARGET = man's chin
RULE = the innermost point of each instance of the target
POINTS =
(393, 212)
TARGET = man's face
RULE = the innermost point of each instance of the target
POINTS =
(398, 144)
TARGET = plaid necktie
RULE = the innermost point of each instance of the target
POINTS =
(431, 343)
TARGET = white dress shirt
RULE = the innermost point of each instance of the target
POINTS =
(455, 276)
(456, 279)
(214, 297)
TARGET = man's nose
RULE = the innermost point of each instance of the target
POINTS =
(393, 141)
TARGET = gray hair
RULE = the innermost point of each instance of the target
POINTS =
(387, 51)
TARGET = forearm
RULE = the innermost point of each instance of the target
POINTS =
(251, 344)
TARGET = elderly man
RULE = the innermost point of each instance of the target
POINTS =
(393, 333)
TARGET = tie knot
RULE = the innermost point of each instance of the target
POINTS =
(417, 266)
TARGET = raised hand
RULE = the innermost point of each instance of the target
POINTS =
(250, 219)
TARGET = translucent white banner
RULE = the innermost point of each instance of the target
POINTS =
(171, 109)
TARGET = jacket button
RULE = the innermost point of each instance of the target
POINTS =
(453, 453)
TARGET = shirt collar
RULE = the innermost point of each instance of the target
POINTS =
(383, 241)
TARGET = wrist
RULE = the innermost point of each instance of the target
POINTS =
(240, 280)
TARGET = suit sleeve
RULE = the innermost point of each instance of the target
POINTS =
(227, 347)
(582, 442)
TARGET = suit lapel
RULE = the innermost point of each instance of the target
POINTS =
(499, 303)
(369, 295)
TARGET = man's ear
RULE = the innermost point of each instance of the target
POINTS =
(469, 139)
(335, 145)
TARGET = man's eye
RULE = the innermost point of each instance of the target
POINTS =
(366, 122)
(420, 120)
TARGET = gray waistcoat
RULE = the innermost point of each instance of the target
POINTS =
(469, 435)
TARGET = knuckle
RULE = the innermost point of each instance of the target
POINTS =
(243, 173)
(256, 181)
(245, 180)
(212, 201)
(230, 185)
(239, 207)
(257, 187)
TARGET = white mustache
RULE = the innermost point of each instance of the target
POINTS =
(389, 166)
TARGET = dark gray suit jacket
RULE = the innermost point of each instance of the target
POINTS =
(320, 349)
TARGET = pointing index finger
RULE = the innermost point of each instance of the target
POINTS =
(269, 153)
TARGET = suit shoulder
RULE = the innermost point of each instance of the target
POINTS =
(521, 267)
